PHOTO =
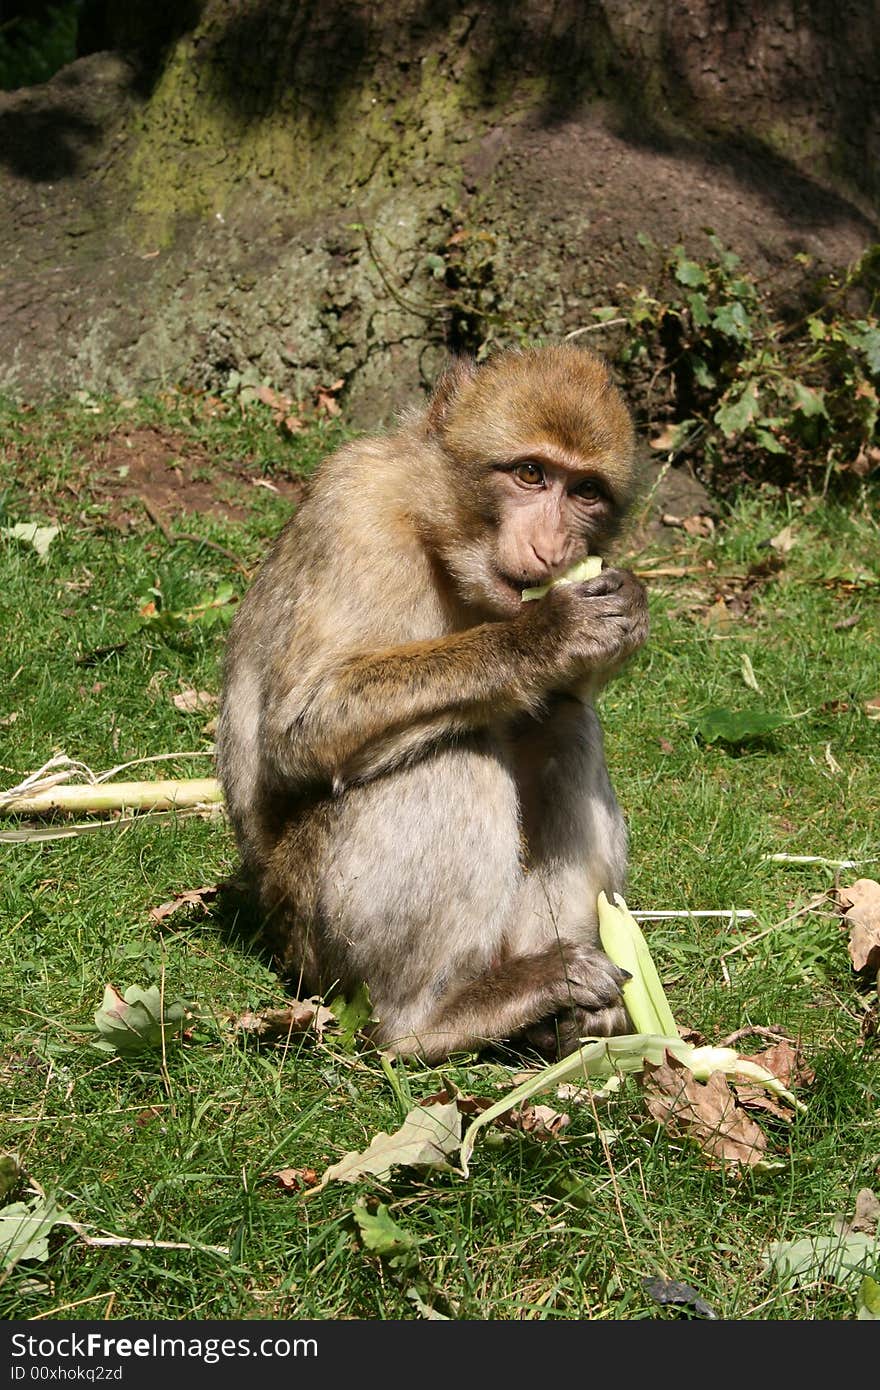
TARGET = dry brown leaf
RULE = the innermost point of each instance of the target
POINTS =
(191, 897)
(785, 1060)
(698, 526)
(541, 1121)
(866, 1217)
(296, 1179)
(189, 701)
(705, 1112)
(274, 1025)
(872, 707)
(784, 540)
(718, 617)
(861, 913)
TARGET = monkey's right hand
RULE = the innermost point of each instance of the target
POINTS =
(589, 979)
(594, 626)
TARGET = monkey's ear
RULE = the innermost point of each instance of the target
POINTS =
(458, 372)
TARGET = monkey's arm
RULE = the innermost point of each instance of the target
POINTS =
(370, 712)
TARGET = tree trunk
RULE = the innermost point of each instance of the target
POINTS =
(316, 191)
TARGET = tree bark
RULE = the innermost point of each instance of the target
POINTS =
(316, 191)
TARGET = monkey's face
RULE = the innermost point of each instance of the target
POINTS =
(543, 442)
(547, 512)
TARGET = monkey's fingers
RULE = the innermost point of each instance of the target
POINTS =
(593, 981)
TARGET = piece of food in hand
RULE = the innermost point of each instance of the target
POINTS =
(587, 568)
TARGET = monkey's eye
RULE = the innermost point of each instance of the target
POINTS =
(589, 490)
(529, 473)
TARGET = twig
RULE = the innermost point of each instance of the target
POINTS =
(114, 1241)
(172, 537)
(593, 328)
(65, 1307)
(754, 1030)
(813, 859)
(741, 913)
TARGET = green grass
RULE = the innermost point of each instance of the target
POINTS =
(185, 1151)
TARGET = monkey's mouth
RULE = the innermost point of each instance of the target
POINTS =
(513, 585)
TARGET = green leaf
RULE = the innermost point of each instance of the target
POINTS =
(351, 1014)
(436, 265)
(806, 400)
(733, 321)
(728, 259)
(702, 374)
(643, 994)
(24, 1230)
(696, 302)
(865, 337)
(603, 312)
(10, 1172)
(134, 1022)
(834, 1259)
(769, 442)
(382, 1236)
(736, 415)
(689, 273)
(736, 726)
(868, 1305)
(817, 329)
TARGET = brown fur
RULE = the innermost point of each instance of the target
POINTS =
(409, 753)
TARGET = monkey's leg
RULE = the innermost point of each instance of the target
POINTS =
(575, 846)
(505, 999)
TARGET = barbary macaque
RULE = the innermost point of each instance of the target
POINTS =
(409, 753)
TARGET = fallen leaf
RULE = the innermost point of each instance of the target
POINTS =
(425, 1139)
(833, 1259)
(10, 1172)
(135, 1022)
(296, 1179)
(868, 1305)
(847, 622)
(784, 540)
(541, 1121)
(872, 707)
(736, 726)
(190, 701)
(702, 526)
(748, 674)
(665, 745)
(705, 1112)
(382, 1236)
(190, 897)
(274, 1025)
(665, 1291)
(40, 537)
(718, 617)
(861, 914)
(25, 1227)
(866, 1216)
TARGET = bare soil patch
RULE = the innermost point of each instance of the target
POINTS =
(148, 470)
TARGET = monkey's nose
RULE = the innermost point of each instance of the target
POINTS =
(547, 557)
